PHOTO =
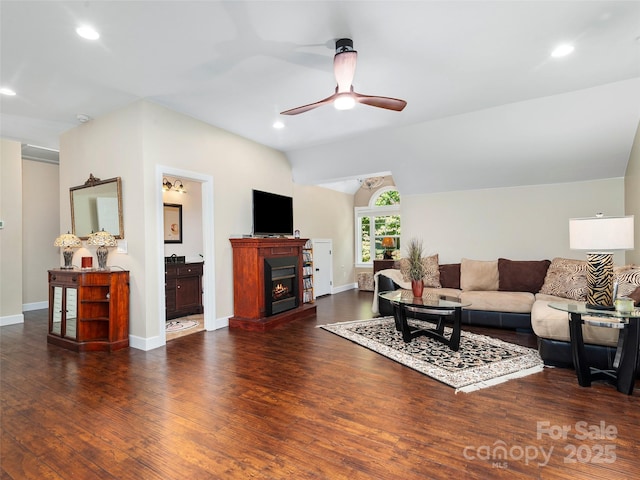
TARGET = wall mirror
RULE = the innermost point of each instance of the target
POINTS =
(97, 205)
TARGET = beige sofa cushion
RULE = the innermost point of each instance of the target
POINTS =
(447, 292)
(432, 271)
(566, 278)
(479, 275)
(550, 323)
(512, 302)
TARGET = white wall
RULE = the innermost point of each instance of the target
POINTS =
(632, 196)
(521, 223)
(11, 234)
(40, 227)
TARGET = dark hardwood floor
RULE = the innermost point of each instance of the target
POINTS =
(298, 403)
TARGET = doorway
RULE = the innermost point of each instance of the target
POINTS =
(205, 185)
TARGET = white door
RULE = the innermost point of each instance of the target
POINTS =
(322, 266)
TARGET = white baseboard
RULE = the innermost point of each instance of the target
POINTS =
(218, 324)
(344, 288)
(145, 344)
(28, 307)
(11, 320)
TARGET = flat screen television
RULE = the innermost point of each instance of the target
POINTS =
(272, 214)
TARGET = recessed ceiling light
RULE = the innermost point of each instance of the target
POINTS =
(85, 31)
(278, 124)
(562, 50)
(7, 91)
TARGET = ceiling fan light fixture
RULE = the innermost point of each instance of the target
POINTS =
(344, 101)
(344, 98)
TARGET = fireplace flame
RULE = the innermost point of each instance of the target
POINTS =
(280, 291)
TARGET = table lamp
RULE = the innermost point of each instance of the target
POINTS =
(102, 240)
(600, 236)
(69, 241)
(388, 243)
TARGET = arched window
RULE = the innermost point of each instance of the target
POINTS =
(378, 227)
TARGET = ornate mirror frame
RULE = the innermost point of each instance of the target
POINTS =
(97, 205)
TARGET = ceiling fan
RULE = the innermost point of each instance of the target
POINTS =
(344, 66)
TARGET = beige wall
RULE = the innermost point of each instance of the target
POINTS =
(323, 213)
(40, 227)
(11, 234)
(522, 223)
(632, 196)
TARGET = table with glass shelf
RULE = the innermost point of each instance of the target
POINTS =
(437, 309)
(623, 374)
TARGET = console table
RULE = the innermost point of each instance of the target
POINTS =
(383, 265)
(89, 309)
(623, 374)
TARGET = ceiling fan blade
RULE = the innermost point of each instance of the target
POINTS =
(381, 102)
(311, 106)
(344, 68)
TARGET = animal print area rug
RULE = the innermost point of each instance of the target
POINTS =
(480, 362)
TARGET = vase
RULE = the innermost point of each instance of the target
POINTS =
(417, 286)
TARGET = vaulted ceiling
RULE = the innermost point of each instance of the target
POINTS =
(487, 104)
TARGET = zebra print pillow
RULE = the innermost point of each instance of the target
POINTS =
(628, 278)
(431, 271)
(566, 278)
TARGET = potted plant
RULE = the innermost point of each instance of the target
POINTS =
(416, 266)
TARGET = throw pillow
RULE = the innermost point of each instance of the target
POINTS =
(635, 295)
(479, 275)
(566, 278)
(628, 278)
(432, 273)
(450, 275)
(522, 275)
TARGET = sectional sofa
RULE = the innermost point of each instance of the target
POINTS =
(516, 294)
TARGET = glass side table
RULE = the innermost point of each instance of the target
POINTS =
(623, 374)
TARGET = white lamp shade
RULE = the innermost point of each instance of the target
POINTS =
(601, 233)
